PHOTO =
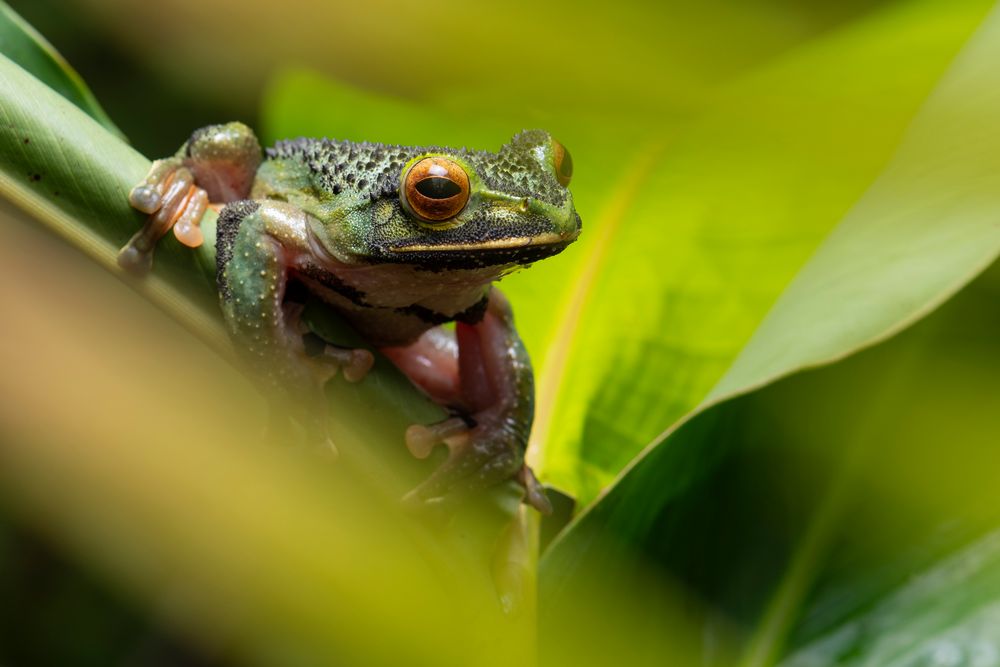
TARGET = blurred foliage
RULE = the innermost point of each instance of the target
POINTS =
(840, 516)
(25, 46)
(55, 613)
(766, 187)
(154, 112)
(160, 487)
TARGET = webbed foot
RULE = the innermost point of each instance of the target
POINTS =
(481, 454)
(170, 197)
(216, 164)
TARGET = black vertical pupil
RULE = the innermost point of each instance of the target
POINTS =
(438, 187)
(566, 165)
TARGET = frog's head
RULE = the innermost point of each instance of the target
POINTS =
(450, 209)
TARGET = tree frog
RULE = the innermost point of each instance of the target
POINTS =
(398, 239)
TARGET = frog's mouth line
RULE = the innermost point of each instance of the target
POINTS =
(548, 238)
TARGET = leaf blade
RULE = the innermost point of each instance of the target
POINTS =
(740, 201)
(935, 225)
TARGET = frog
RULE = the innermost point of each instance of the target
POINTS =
(406, 243)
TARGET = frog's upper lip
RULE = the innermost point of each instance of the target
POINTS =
(509, 243)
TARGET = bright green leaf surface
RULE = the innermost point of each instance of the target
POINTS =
(825, 517)
(746, 504)
(561, 58)
(722, 222)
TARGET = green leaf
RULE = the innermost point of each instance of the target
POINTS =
(815, 518)
(698, 236)
(22, 44)
(808, 499)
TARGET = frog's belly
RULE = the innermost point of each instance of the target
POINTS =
(386, 321)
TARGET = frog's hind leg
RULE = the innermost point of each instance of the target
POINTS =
(486, 373)
(216, 165)
(253, 272)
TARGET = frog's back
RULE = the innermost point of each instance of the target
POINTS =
(340, 167)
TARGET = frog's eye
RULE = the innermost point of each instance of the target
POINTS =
(435, 189)
(563, 163)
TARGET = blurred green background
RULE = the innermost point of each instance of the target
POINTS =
(764, 473)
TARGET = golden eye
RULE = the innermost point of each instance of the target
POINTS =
(436, 189)
(563, 163)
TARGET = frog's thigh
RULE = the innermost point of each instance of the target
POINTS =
(496, 386)
(431, 363)
(494, 369)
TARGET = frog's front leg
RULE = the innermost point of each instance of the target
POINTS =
(490, 380)
(256, 246)
(216, 165)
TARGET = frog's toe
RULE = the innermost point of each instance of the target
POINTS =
(148, 196)
(183, 204)
(135, 259)
(421, 439)
(145, 198)
(534, 492)
(187, 221)
(354, 363)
